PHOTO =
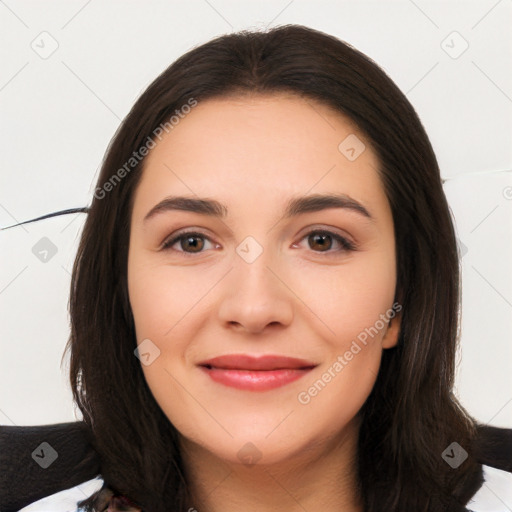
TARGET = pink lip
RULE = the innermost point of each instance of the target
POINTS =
(255, 373)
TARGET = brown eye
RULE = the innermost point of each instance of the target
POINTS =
(192, 242)
(189, 243)
(322, 241)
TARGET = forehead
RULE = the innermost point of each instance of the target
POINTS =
(262, 148)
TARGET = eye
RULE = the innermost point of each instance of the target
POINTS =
(322, 241)
(191, 242)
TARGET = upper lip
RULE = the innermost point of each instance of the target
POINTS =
(247, 362)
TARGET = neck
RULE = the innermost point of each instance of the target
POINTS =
(323, 477)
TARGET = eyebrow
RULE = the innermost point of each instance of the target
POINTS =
(295, 206)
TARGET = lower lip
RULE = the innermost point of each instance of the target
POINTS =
(255, 380)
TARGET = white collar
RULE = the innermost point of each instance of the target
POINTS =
(495, 495)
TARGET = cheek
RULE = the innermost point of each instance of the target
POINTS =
(168, 306)
(147, 299)
(350, 299)
(160, 297)
(356, 304)
(159, 308)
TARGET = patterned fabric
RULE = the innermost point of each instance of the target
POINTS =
(108, 501)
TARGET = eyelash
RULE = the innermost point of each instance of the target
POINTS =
(346, 245)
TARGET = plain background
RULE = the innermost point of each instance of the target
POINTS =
(58, 114)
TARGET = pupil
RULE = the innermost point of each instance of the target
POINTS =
(190, 240)
(322, 237)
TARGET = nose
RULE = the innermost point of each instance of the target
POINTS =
(255, 296)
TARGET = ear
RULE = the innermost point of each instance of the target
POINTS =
(390, 338)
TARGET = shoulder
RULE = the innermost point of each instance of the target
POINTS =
(495, 494)
(67, 500)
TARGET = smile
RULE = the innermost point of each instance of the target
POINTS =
(255, 373)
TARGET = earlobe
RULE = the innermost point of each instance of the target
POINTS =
(390, 338)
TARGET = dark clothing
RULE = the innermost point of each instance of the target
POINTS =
(38, 461)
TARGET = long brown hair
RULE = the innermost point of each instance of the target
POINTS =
(411, 415)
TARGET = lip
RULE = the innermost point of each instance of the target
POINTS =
(248, 362)
(252, 373)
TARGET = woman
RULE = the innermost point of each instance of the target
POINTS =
(265, 299)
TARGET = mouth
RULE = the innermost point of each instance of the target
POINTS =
(251, 373)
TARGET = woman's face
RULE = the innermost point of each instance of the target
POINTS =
(265, 274)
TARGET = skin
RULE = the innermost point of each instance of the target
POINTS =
(253, 154)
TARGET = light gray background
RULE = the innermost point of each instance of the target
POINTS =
(59, 113)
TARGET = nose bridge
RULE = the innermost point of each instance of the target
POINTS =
(255, 296)
(252, 273)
